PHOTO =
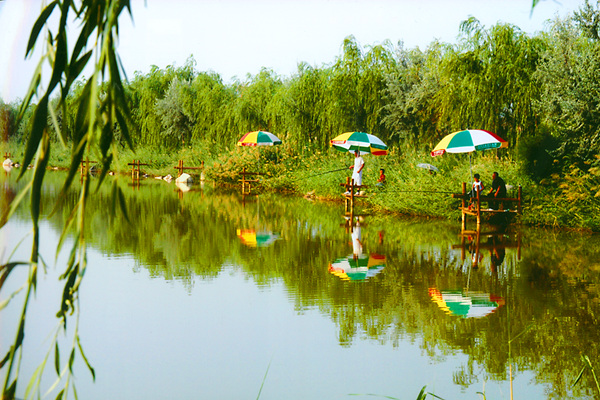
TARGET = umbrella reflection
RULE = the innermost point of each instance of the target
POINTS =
(357, 268)
(252, 238)
(466, 304)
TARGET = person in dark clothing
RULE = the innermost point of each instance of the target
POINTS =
(498, 190)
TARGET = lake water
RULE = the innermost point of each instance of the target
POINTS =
(207, 294)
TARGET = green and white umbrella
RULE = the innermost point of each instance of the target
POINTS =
(259, 138)
(364, 142)
(468, 141)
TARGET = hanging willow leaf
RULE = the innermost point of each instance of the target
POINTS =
(86, 359)
(39, 23)
(39, 123)
(57, 359)
(92, 129)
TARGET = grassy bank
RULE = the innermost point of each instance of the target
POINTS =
(568, 201)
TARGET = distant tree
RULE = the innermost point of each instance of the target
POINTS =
(177, 120)
(8, 121)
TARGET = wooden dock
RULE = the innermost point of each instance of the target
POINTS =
(349, 194)
(473, 206)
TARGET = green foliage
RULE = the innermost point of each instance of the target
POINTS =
(533, 91)
(535, 151)
(90, 134)
(570, 79)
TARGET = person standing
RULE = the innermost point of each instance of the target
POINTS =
(498, 190)
(358, 166)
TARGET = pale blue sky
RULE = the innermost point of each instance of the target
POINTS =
(238, 37)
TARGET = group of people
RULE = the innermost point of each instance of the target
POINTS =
(357, 168)
(498, 189)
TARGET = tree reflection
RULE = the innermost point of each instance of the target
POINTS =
(545, 284)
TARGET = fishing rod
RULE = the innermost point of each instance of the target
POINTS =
(323, 173)
(419, 191)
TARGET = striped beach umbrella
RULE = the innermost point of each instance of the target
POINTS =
(364, 142)
(468, 141)
(259, 138)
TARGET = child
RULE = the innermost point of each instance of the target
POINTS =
(477, 185)
(381, 180)
(477, 188)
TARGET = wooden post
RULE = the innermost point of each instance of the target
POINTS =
(352, 194)
(179, 168)
(135, 169)
(244, 180)
(85, 165)
(520, 199)
(464, 215)
(347, 200)
(478, 211)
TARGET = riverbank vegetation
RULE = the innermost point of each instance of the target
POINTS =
(537, 92)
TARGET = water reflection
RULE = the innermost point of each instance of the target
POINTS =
(543, 283)
(260, 235)
(252, 238)
(476, 243)
(357, 266)
(466, 304)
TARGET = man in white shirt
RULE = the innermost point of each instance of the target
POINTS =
(359, 164)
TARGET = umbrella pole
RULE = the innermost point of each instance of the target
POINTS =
(471, 169)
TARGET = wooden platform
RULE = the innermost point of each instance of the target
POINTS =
(349, 194)
(510, 206)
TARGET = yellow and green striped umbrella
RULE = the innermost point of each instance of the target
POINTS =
(364, 142)
(467, 141)
(258, 138)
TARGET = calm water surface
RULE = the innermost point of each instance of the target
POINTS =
(209, 295)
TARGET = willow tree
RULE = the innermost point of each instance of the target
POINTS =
(98, 112)
(254, 107)
(487, 80)
(344, 106)
(411, 111)
(8, 121)
(144, 91)
(212, 109)
(305, 106)
(570, 80)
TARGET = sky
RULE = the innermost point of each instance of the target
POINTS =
(235, 38)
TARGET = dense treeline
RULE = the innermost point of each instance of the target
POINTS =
(538, 92)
